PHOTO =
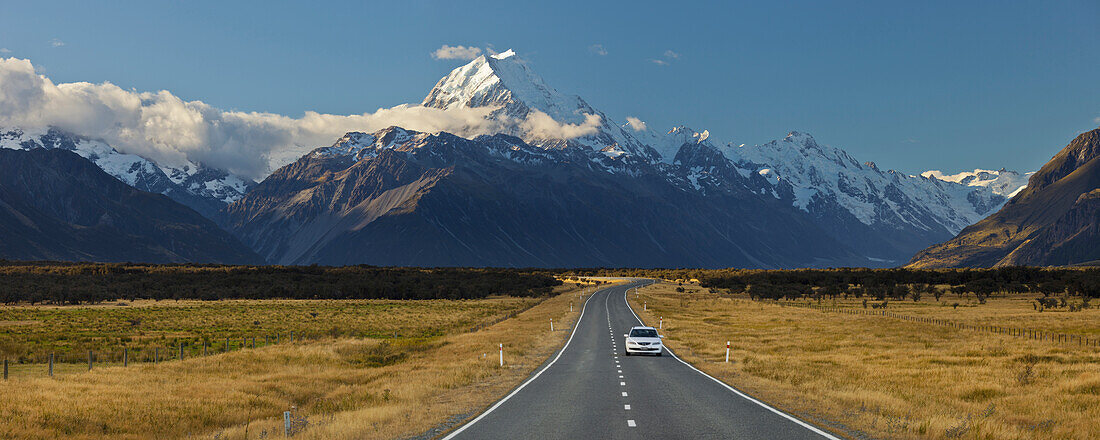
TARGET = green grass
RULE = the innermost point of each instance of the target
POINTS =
(29, 334)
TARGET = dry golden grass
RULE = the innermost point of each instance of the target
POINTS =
(337, 388)
(890, 378)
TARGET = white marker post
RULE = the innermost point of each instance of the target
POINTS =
(727, 352)
(661, 323)
(502, 355)
(645, 305)
(551, 324)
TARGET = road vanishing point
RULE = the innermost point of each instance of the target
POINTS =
(589, 389)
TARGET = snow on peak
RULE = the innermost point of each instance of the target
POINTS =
(368, 145)
(1004, 182)
(504, 55)
(817, 172)
(669, 143)
(527, 107)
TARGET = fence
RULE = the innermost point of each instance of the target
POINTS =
(1023, 333)
(156, 354)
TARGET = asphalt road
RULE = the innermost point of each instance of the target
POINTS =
(590, 390)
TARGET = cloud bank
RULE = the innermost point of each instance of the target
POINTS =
(456, 53)
(540, 125)
(170, 131)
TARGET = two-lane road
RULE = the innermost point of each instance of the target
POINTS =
(591, 390)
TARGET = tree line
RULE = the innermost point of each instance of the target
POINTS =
(82, 283)
(897, 283)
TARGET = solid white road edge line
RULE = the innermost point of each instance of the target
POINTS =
(500, 402)
(735, 391)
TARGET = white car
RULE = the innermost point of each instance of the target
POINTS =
(643, 340)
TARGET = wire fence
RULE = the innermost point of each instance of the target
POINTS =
(68, 362)
(1016, 332)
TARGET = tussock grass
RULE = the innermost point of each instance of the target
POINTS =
(336, 388)
(890, 378)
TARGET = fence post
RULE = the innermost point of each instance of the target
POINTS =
(286, 423)
(156, 355)
(291, 337)
(51, 364)
(5, 369)
(181, 351)
(204, 344)
(253, 342)
(126, 357)
(89, 360)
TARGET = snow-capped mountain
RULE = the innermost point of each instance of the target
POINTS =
(399, 197)
(203, 189)
(529, 108)
(1004, 182)
(819, 174)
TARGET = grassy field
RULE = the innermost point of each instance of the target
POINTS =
(436, 371)
(889, 378)
(28, 334)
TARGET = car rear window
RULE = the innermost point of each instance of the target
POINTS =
(643, 333)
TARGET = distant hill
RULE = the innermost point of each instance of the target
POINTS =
(1055, 220)
(57, 205)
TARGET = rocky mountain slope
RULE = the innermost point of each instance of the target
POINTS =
(56, 205)
(1055, 220)
(397, 197)
(203, 189)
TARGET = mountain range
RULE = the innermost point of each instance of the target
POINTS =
(401, 197)
(559, 183)
(56, 205)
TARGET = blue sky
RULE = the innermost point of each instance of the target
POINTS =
(910, 85)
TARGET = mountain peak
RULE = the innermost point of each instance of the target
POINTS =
(504, 55)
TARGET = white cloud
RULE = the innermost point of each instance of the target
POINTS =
(671, 55)
(56, 43)
(635, 123)
(597, 49)
(539, 125)
(1096, 120)
(5, 50)
(456, 53)
(162, 127)
(658, 62)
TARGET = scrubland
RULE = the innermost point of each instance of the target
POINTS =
(881, 377)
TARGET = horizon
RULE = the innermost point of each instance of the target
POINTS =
(950, 114)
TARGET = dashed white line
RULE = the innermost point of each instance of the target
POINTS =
(631, 424)
(622, 384)
(624, 393)
(626, 407)
(734, 390)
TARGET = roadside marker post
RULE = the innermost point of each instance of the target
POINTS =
(661, 323)
(645, 305)
(502, 355)
(727, 352)
(286, 423)
(551, 324)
